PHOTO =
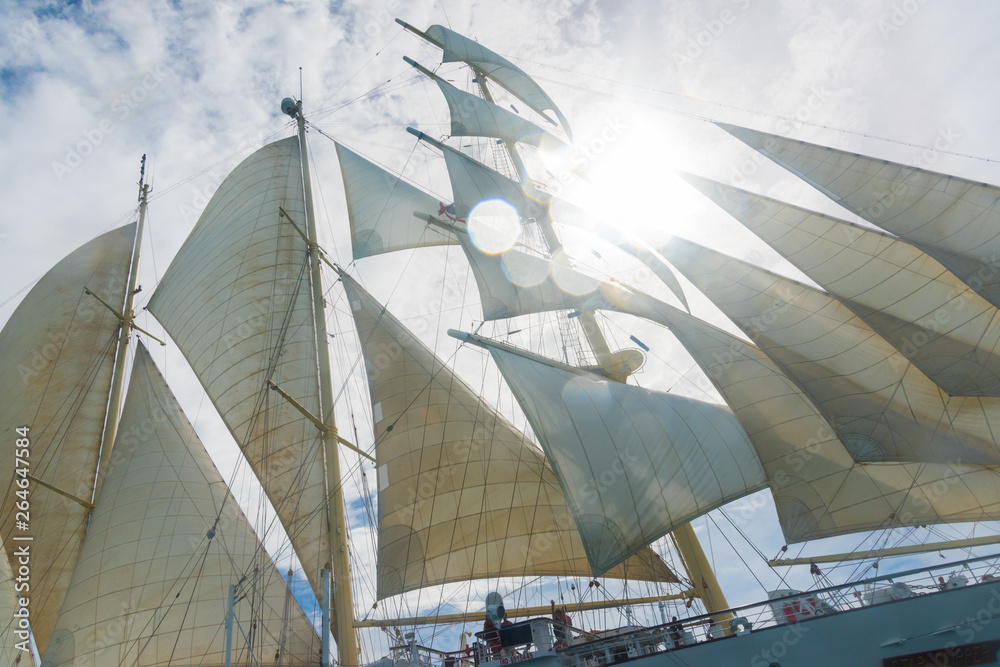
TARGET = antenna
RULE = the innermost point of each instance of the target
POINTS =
(300, 84)
(142, 175)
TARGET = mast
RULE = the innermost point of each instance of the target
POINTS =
(126, 317)
(343, 605)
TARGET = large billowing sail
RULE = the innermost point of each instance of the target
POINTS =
(882, 406)
(380, 208)
(819, 489)
(458, 48)
(473, 116)
(633, 463)
(151, 588)
(934, 319)
(954, 220)
(56, 355)
(462, 493)
(236, 300)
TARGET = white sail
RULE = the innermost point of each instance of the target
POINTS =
(56, 355)
(882, 406)
(473, 116)
(458, 48)
(462, 493)
(473, 182)
(819, 489)
(380, 208)
(236, 300)
(938, 322)
(634, 463)
(954, 220)
(151, 588)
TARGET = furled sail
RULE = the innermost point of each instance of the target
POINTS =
(934, 319)
(954, 220)
(458, 48)
(882, 406)
(56, 355)
(462, 493)
(472, 116)
(633, 463)
(818, 488)
(148, 568)
(380, 208)
(236, 300)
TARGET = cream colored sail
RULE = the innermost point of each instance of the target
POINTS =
(473, 116)
(458, 48)
(634, 464)
(56, 355)
(954, 220)
(236, 300)
(934, 319)
(151, 588)
(882, 406)
(462, 493)
(380, 208)
(819, 489)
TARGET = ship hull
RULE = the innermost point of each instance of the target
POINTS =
(954, 627)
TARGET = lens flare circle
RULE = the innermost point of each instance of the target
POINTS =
(494, 226)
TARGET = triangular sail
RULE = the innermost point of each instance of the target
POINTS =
(938, 322)
(882, 407)
(380, 208)
(236, 300)
(472, 116)
(458, 48)
(954, 220)
(462, 493)
(818, 488)
(149, 570)
(473, 182)
(56, 355)
(634, 463)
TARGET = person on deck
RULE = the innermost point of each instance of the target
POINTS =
(561, 623)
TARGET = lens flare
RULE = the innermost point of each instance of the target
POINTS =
(494, 226)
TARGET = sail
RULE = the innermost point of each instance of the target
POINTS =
(516, 283)
(934, 319)
(954, 220)
(236, 300)
(458, 48)
(380, 208)
(462, 493)
(882, 407)
(56, 355)
(151, 588)
(473, 116)
(634, 463)
(473, 182)
(819, 490)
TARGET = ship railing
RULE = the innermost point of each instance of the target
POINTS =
(416, 655)
(518, 642)
(783, 607)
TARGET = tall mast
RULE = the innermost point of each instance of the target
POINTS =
(343, 605)
(126, 322)
(705, 584)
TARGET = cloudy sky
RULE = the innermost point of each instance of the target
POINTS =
(88, 87)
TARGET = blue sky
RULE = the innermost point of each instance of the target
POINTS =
(89, 87)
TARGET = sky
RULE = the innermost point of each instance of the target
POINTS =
(89, 87)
